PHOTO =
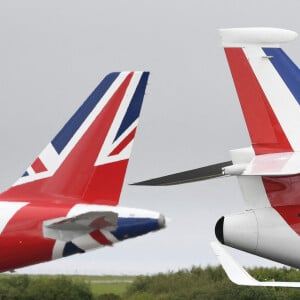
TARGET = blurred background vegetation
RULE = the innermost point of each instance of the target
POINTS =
(194, 284)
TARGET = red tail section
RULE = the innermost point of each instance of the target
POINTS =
(87, 160)
(265, 131)
(267, 83)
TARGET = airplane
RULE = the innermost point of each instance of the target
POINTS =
(267, 82)
(66, 202)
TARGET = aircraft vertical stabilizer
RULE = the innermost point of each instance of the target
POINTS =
(267, 83)
(87, 159)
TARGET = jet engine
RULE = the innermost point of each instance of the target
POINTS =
(261, 232)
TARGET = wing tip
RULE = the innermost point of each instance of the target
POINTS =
(238, 275)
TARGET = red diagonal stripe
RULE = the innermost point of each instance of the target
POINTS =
(38, 166)
(124, 143)
(100, 238)
(264, 128)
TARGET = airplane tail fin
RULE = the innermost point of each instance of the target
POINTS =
(87, 159)
(268, 86)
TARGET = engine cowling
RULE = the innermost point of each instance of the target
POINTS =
(238, 231)
(262, 232)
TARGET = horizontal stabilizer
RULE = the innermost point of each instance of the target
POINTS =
(275, 164)
(204, 173)
(68, 228)
(238, 275)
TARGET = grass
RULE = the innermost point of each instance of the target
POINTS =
(116, 288)
(107, 284)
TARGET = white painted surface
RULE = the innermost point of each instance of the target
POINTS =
(271, 37)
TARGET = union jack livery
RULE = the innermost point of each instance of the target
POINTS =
(66, 201)
(268, 87)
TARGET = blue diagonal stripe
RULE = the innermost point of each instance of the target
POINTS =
(67, 132)
(135, 105)
(287, 69)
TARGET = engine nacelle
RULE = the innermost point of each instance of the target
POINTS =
(238, 231)
(262, 232)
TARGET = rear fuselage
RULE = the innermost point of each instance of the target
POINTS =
(24, 238)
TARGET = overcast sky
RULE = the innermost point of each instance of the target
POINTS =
(54, 53)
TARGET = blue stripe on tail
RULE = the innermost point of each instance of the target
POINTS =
(287, 70)
(67, 132)
(135, 105)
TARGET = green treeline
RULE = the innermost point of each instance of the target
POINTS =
(42, 287)
(194, 284)
(211, 283)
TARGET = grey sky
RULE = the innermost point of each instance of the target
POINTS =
(54, 53)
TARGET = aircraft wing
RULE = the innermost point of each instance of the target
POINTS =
(203, 173)
(68, 228)
(238, 275)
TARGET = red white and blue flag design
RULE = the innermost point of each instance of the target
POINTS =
(267, 82)
(94, 146)
(65, 203)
